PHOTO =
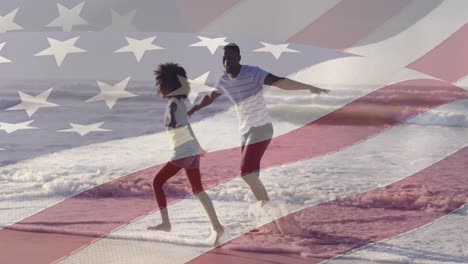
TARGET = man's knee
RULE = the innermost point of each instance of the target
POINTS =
(196, 190)
(249, 167)
(157, 183)
(250, 177)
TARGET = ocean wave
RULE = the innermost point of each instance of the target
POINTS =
(368, 114)
(408, 197)
(441, 118)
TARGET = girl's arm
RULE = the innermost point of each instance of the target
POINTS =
(202, 151)
(207, 99)
(173, 121)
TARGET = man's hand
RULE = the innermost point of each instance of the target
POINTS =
(207, 99)
(319, 90)
(190, 112)
(288, 84)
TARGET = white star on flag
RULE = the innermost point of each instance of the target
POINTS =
(60, 49)
(198, 85)
(139, 47)
(275, 50)
(110, 94)
(12, 127)
(68, 17)
(32, 103)
(3, 59)
(211, 43)
(122, 23)
(463, 83)
(6, 22)
(83, 130)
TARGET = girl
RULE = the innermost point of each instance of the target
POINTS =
(171, 81)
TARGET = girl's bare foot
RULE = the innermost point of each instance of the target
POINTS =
(166, 227)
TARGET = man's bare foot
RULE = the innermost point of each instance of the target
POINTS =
(263, 203)
(217, 234)
(161, 227)
(255, 231)
(262, 230)
(271, 228)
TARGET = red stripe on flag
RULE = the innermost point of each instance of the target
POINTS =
(201, 13)
(76, 222)
(348, 22)
(449, 60)
(336, 227)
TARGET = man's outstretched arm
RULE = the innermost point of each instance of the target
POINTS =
(288, 84)
(207, 99)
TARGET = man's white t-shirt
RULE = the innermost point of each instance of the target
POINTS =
(246, 92)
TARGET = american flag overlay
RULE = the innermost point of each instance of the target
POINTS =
(372, 172)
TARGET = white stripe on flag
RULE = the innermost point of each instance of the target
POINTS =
(418, 39)
(442, 241)
(463, 83)
(413, 12)
(281, 21)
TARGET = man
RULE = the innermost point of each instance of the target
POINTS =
(243, 84)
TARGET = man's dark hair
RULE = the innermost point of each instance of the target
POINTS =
(167, 75)
(233, 47)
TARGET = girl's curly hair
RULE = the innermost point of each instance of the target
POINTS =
(167, 76)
